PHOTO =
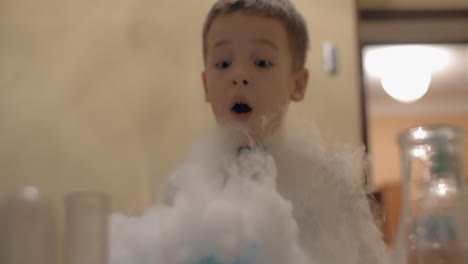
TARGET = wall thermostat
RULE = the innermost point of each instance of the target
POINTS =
(329, 57)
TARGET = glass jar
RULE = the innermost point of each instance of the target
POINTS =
(432, 227)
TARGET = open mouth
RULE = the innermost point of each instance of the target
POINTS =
(241, 108)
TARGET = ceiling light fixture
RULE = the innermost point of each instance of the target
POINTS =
(405, 71)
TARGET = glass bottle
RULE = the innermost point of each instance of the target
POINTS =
(432, 227)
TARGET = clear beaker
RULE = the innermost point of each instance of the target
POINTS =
(86, 228)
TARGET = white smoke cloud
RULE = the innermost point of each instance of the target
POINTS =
(224, 206)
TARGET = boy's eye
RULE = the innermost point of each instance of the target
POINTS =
(262, 63)
(223, 64)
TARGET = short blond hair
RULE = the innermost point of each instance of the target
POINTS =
(282, 10)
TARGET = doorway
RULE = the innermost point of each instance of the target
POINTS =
(403, 51)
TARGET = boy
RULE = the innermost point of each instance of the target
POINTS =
(258, 190)
(254, 52)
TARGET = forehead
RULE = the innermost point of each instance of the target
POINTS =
(245, 27)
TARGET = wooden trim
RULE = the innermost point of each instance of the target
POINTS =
(362, 101)
(414, 31)
(391, 203)
(368, 15)
(362, 98)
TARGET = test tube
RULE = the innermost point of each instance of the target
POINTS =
(86, 228)
(30, 228)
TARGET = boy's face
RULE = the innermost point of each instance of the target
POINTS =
(248, 78)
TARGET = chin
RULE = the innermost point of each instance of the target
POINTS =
(258, 136)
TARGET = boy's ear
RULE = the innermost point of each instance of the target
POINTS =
(203, 75)
(300, 85)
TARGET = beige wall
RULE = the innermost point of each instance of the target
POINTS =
(384, 150)
(106, 95)
(333, 100)
(101, 96)
(413, 4)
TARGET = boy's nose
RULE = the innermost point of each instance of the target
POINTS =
(240, 82)
(240, 76)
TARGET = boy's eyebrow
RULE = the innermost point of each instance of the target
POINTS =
(266, 42)
(262, 41)
(220, 43)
